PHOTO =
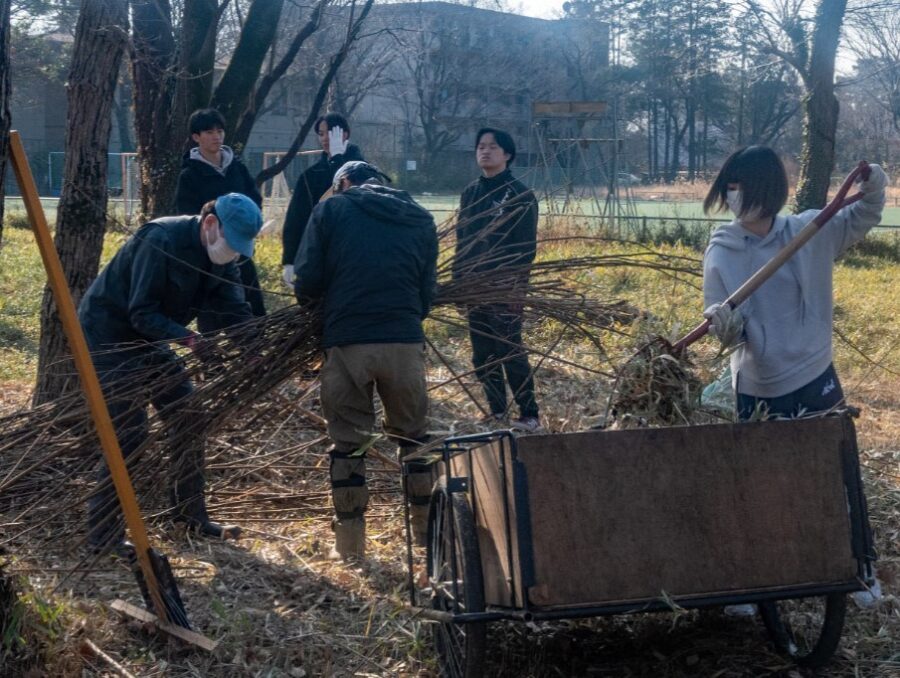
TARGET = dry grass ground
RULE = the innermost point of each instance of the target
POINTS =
(278, 607)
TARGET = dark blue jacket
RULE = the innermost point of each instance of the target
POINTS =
(310, 188)
(370, 255)
(156, 284)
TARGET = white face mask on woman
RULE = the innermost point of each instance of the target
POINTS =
(219, 252)
(735, 200)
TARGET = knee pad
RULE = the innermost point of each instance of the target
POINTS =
(417, 483)
(349, 491)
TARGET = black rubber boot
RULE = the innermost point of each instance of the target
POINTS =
(189, 506)
(187, 496)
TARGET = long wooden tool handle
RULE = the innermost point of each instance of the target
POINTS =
(754, 282)
(89, 381)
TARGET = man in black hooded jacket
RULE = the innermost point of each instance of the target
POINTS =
(209, 170)
(170, 271)
(369, 256)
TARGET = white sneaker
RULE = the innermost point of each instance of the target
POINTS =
(868, 598)
(526, 425)
(745, 610)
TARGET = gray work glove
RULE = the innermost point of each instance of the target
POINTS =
(336, 143)
(725, 323)
(287, 275)
(877, 180)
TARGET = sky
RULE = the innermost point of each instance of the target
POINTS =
(542, 9)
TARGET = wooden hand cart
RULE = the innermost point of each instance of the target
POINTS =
(596, 523)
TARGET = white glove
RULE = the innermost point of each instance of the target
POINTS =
(725, 323)
(336, 143)
(287, 275)
(877, 180)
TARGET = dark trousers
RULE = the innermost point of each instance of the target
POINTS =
(496, 336)
(122, 375)
(821, 394)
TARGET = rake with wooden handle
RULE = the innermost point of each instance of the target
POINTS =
(655, 379)
(754, 282)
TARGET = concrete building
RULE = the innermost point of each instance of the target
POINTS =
(443, 70)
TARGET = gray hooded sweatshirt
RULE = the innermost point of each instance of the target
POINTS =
(788, 320)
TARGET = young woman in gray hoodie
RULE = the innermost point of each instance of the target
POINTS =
(783, 359)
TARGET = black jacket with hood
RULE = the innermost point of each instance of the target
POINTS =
(310, 188)
(200, 182)
(370, 255)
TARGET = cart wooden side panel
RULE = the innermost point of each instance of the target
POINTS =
(499, 547)
(681, 512)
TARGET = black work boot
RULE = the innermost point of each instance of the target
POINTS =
(193, 513)
(189, 506)
(187, 496)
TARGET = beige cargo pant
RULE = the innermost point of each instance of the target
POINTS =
(349, 379)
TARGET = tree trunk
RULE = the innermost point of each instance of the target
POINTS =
(654, 157)
(100, 40)
(235, 89)
(152, 66)
(742, 92)
(4, 100)
(123, 121)
(197, 58)
(649, 138)
(667, 131)
(820, 109)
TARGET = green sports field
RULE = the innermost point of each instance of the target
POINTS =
(443, 205)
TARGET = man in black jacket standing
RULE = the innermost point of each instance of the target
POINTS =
(334, 136)
(172, 269)
(369, 255)
(497, 231)
(211, 169)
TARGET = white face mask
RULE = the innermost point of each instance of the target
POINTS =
(219, 251)
(733, 199)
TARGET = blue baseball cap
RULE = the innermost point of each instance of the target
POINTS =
(241, 221)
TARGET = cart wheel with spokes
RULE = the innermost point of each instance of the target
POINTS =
(456, 584)
(806, 629)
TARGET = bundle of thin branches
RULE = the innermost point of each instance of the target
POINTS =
(47, 454)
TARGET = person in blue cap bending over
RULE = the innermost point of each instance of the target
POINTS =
(171, 270)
